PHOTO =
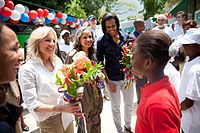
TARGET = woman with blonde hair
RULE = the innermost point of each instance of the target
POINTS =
(37, 80)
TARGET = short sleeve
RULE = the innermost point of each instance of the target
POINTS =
(193, 88)
(100, 50)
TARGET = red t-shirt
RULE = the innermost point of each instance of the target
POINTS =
(159, 109)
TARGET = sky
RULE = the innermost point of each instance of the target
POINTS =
(123, 11)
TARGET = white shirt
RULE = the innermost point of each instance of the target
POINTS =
(190, 88)
(97, 35)
(166, 30)
(178, 30)
(38, 86)
(173, 74)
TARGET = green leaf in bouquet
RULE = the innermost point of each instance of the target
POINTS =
(88, 65)
(72, 89)
(59, 78)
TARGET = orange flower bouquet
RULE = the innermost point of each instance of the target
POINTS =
(82, 70)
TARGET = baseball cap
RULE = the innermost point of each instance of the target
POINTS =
(192, 36)
(91, 17)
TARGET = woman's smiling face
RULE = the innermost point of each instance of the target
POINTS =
(10, 55)
(86, 39)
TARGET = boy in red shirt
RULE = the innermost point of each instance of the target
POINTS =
(159, 108)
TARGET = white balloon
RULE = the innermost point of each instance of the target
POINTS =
(85, 24)
(15, 15)
(64, 16)
(2, 3)
(26, 9)
(73, 25)
(20, 8)
(63, 21)
(42, 18)
(51, 16)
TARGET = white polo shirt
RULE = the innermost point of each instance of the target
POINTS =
(190, 88)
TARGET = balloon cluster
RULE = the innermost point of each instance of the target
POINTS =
(19, 12)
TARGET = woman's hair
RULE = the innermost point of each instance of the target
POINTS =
(77, 44)
(36, 36)
(106, 17)
(155, 44)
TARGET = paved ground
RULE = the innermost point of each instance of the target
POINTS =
(106, 119)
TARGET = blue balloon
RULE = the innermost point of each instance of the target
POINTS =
(4, 18)
(69, 18)
(47, 21)
(81, 22)
(73, 19)
(59, 20)
(24, 17)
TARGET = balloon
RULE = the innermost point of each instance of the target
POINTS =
(20, 8)
(55, 20)
(51, 16)
(33, 14)
(6, 12)
(47, 21)
(46, 12)
(73, 25)
(15, 15)
(63, 21)
(59, 20)
(3, 18)
(40, 12)
(26, 9)
(77, 26)
(9, 4)
(64, 16)
(59, 14)
(85, 24)
(2, 3)
(42, 18)
(13, 21)
(24, 17)
(69, 19)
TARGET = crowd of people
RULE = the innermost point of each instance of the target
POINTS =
(167, 57)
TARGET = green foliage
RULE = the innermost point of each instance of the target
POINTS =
(153, 7)
(73, 8)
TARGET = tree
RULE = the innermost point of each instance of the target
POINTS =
(152, 7)
(75, 9)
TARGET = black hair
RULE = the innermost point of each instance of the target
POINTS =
(106, 17)
(78, 45)
(155, 44)
(182, 13)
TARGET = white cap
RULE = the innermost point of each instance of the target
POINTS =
(191, 36)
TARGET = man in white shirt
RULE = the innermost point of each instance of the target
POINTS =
(97, 33)
(161, 21)
(178, 25)
(189, 91)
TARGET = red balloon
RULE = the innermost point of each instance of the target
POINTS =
(46, 12)
(77, 26)
(13, 21)
(70, 23)
(59, 14)
(6, 12)
(32, 14)
(40, 12)
(9, 4)
(54, 21)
